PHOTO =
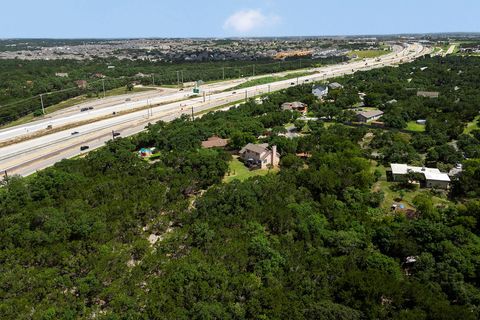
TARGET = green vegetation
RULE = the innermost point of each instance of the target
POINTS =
(366, 54)
(415, 127)
(472, 125)
(111, 236)
(238, 171)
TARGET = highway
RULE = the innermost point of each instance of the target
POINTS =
(29, 155)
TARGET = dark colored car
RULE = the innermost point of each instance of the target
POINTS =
(116, 134)
(83, 109)
(90, 108)
(83, 148)
(74, 133)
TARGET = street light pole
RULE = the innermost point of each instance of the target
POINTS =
(103, 85)
(41, 100)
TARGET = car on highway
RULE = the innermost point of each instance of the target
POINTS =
(292, 83)
(83, 148)
(90, 108)
(116, 134)
(83, 109)
(128, 99)
(234, 92)
(49, 127)
(75, 133)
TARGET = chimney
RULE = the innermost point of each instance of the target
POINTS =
(274, 154)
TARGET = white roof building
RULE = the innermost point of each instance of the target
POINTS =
(433, 176)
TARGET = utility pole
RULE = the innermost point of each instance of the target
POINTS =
(193, 117)
(5, 174)
(223, 73)
(103, 84)
(268, 88)
(178, 77)
(238, 73)
(182, 76)
(41, 100)
(153, 79)
(254, 70)
(203, 96)
(113, 134)
(246, 95)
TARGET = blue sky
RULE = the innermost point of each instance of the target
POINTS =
(223, 18)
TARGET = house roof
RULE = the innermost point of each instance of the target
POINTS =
(370, 114)
(214, 141)
(335, 85)
(319, 87)
(258, 148)
(429, 173)
(428, 94)
(293, 105)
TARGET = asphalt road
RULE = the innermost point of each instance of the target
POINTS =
(28, 156)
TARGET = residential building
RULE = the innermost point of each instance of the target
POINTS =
(259, 155)
(428, 94)
(433, 177)
(371, 115)
(61, 74)
(320, 91)
(81, 84)
(335, 86)
(214, 142)
(295, 106)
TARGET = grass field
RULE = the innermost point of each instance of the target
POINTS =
(365, 54)
(472, 125)
(238, 171)
(269, 79)
(415, 127)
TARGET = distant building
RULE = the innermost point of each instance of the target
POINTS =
(259, 155)
(295, 106)
(428, 94)
(433, 177)
(99, 75)
(320, 91)
(61, 74)
(214, 142)
(81, 84)
(335, 86)
(365, 116)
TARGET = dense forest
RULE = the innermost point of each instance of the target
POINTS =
(24, 81)
(113, 236)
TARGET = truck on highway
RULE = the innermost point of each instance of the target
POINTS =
(83, 148)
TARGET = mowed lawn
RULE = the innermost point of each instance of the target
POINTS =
(472, 125)
(238, 171)
(366, 54)
(414, 126)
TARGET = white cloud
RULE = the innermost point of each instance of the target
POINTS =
(246, 21)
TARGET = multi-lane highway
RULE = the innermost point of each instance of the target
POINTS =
(31, 147)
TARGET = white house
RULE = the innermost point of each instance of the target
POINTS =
(433, 177)
(320, 91)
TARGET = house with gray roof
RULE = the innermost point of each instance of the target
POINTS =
(260, 155)
(370, 115)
